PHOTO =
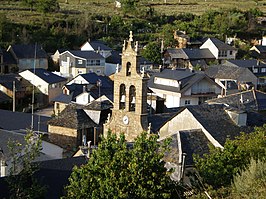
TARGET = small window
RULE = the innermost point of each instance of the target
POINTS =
(255, 70)
(231, 52)
(263, 70)
(57, 105)
(80, 72)
(79, 61)
(98, 71)
(98, 62)
(187, 102)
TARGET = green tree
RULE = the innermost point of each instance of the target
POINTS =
(115, 171)
(21, 181)
(46, 6)
(152, 52)
(219, 166)
(251, 182)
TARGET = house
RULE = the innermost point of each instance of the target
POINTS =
(259, 51)
(7, 62)
(257, 67)
(185, 57)
(49, 84)
(98, 47)
(84, 89)
(194, 128)
(73, 63)
(183, 87)
(13, 82)
(219, 49)
(28, 56)
(232, 79)
(68, 128)
(250, 100)
(184, 40)
(55, 57)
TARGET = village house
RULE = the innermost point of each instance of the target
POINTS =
(73, 63)
(48, 84)
(10, 83)
(257, 67)
(28, 56)
(182, 87)
(232, 79)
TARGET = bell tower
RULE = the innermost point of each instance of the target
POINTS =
(129, 114)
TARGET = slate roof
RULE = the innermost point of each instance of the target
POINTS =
(217, 122)
(48, 76)
(190, 53)
(249, 63)
(8, 58)
(7, 80)
(4, 97)
(53, 174)
(63, 98)
(24, 51)
(261, 48)
(158, 120)
(252, 100)
(99, 105)
(5, 137)
(99, 45)
(92, 78)
(86, 54)
(77, 89)
(226, 72)
(186, 78)
(221, 45)
(17, 120)
(72, 117)
(194, 142)
(114, 58)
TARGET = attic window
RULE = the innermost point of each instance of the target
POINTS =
(187, 102)
(255, 70)
(263, 70)
(79, 61)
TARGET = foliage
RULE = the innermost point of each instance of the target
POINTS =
(22, 183)
(152, 52)
(115, 171)
(251, 182)
(219, 166)
(46, 6)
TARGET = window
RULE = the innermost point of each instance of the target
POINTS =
(263, 70)
(187, 102)
(80, 72)
(98, 71)
(79, 61)
(122, 96)
(222, 53)
(132, 98)
(128, 68)
(255, 70)
(57, 105)
(231, 52)
(98, 62)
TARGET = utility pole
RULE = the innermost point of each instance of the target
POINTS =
(14, 96)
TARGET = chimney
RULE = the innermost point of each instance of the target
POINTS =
(239, 117)
(3, 171)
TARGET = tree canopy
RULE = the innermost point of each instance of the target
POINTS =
(116, 170)
(220, 166)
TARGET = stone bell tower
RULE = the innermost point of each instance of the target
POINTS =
(129, 114)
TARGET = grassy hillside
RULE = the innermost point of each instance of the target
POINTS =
(19, 13)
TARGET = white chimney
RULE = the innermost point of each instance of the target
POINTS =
(263, 42)
(3, 171)
(238, 117)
